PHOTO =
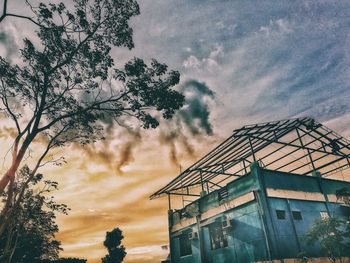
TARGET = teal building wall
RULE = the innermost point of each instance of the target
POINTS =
(256, 234)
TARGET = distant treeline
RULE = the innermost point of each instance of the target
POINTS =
(63, 260)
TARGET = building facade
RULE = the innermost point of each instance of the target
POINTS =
(243, 210)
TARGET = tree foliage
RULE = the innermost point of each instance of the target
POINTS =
(116, 251)
(30, 237)
(332, 234)
(67, 85)
(64, 260)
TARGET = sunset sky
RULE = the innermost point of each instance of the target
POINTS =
(241, 62)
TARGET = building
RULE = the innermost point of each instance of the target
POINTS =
(254, 196)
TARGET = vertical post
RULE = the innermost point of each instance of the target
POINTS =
(170, 224)
(202, 185)
(200, 174)
(251, 148)
(245, 167)
(320, 185)
(256, 171)
(263, 223)
(182, 190)
(293, 225)
(200, 239)
(169, 202)
(308, 151)
(275, 135)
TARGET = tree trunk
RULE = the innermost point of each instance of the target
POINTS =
(16, 161)
(7, 178)
(5, 216)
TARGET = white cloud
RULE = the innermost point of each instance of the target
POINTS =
(209, 63)
(146, 250)
(192, 62)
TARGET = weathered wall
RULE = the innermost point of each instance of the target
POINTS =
(307, 195)
(251, 204)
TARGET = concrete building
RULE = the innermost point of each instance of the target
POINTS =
(254, 196)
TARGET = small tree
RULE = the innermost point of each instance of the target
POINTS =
(67, 87)
(116, 251)
(332, 235)
(30, 237)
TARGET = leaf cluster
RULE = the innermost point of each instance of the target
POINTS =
(31, 235)
(332, 234)
(116, 251)
(68, 82)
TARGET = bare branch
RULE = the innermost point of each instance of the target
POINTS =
(75, 51)
(8, 108)
(50, 145)
(24, 17)
(2, 17)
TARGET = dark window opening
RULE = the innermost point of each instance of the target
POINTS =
(297, 215)
(185, 245)
(281, 214)
(218, 236)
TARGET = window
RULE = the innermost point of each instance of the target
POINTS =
(281, 214)
(218, 236)
(297, 215)
(185, 245)
(324, 215)
(223, 193)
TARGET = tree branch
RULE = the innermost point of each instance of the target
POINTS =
(50, 145)
(2, 17)
(74, 52)
(7, 106)
(24, 17)
(94, 106)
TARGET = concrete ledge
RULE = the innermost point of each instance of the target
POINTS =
(241, 200)
(298, 195)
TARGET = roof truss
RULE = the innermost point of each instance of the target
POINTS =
(293, 146)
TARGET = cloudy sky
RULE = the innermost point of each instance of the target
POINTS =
(241, 62)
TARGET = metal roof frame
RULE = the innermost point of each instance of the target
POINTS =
(299, 146)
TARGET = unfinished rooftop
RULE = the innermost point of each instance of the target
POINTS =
(295, 146)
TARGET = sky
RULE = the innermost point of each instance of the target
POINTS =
(241, 62)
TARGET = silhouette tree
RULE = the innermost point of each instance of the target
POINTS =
(66, 88)
(332, 234)
(64, 260)
(116, 251)
(30, 237)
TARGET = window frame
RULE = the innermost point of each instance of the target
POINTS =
(218, 236)
(280, 214)
(297, 215)
(185, 245)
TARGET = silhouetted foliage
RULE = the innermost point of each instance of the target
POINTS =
(29, 236)
(66, 88)
(64, 260)
(116, 251)
(331, 234)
